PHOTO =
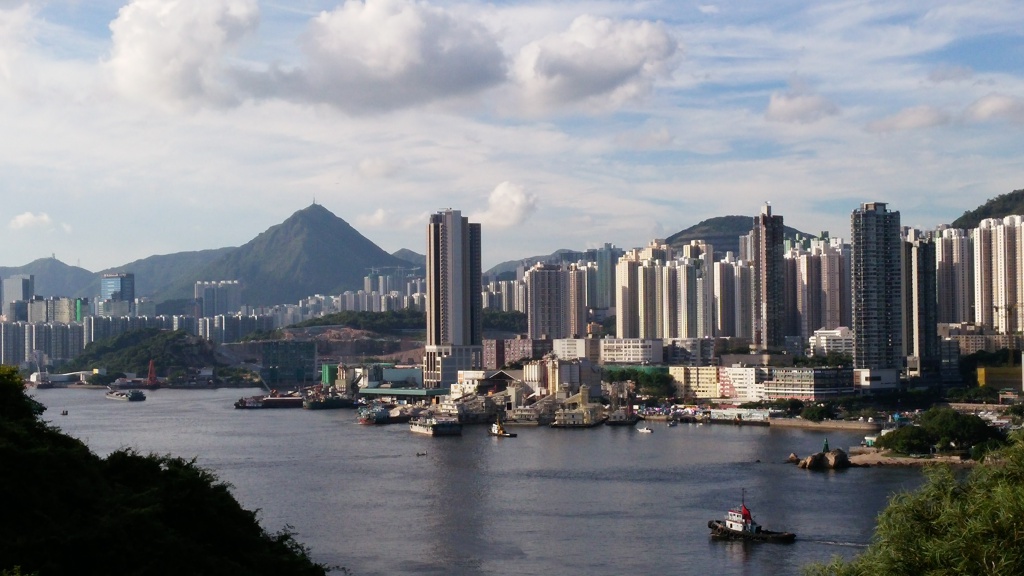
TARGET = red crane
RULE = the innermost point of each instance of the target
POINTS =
(151, 381)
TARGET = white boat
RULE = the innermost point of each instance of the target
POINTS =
(126, 395)
(432, 426)
(645, 430)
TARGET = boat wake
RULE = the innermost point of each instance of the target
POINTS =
(844, 544)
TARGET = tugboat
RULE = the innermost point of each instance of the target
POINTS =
(739, 524)
(498, 430)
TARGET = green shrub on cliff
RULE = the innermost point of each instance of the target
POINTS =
(952, 525)
(69, 511)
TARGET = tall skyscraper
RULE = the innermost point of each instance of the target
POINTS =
(876, 286)
(998, 266)
(920, 306)
(769, 292)
(454, 299)
(954, 266)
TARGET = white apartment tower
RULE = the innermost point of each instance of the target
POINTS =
(954, 273)
(998, 265)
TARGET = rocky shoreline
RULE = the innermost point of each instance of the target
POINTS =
(838, 460)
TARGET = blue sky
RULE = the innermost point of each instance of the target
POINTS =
(151, 127)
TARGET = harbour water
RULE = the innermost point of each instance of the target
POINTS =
(608, 501)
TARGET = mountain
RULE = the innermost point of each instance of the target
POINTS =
(312, 252)
(411, 257)
(55, 278)
(155, 274)
(998, 207)
(507, 270)
(722, 232)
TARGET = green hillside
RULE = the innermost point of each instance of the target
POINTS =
(132, 351)
(998, 207)
(312, 252)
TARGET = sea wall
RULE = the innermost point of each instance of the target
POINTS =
(826, 424)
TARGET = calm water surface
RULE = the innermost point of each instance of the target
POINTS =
(550, 502)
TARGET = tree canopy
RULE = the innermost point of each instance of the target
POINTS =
(952, 525)
(943, 428)
(69, 511)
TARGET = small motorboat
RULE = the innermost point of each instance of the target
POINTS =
(645, 430)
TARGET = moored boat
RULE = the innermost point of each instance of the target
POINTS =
(272, 400)
(498, 430)
(327, 402)
(127, 395)
(432, 426)
(739, 524)
(645, 430)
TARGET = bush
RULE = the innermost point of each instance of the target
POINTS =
(949, 526)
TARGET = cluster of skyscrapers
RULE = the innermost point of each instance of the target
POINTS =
(882, 297)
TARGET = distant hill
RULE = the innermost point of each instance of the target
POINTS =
(509, 267)
(722, 232)
(998, 207)
(55, 278)
(312, 252)
(411, 257)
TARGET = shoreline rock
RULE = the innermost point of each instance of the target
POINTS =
(831, 460)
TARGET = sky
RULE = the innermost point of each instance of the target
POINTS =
(131, 129)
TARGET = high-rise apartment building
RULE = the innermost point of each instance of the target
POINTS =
(920, 306)
(876, 286)
(555, 301)
(769, 292)
(218, 297)
(954, 275)
(454, 299)
(998, 266)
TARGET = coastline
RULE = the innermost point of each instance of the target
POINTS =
(885, 458)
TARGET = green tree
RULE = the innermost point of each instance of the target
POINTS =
(907, 440)
(72, 512)
(951, 525)
(817, 412)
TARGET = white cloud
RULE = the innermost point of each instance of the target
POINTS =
(996, 107)
(708, 9)
(175, 51)
(30, 221)
(386, 54)
(379, 217)
(799, 106)
(598, 61)
(508, 205)
(910, 119)
(376, 168)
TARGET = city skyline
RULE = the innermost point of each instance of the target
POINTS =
(147, 128)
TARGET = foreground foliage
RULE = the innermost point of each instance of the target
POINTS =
(69, 511)
(950, 525)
